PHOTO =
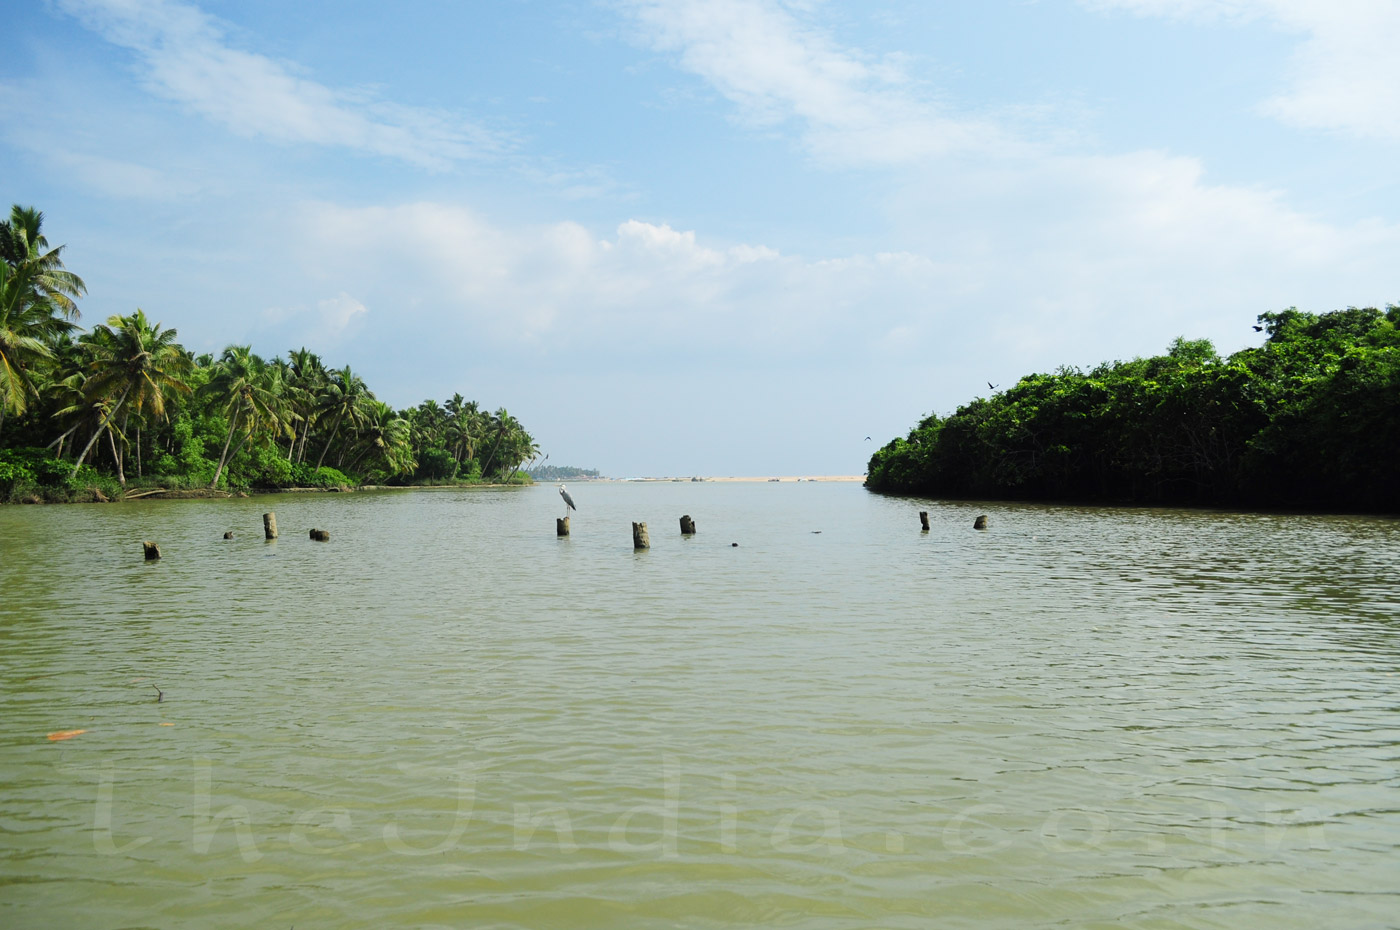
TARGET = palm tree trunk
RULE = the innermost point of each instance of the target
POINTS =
(112, 440)
(59, 441)
(138, 451)
(102, 423)
(359, 457)
(223, 456)
(241, 442)
(301, 447)
(499, 436)
(334, 430)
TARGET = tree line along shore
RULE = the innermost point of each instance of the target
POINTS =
(1308, 420)
(122, 408)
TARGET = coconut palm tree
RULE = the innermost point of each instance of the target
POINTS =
(506, 430)
(463, 427)
(244, 387)
(136, 363)
(23, 245)
(304, 388)
(23, 348)
(384, 435)
(343, 398)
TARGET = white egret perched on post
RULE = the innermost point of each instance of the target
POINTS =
(568, 501)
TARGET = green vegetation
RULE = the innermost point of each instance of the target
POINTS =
(561, 473)
(91, 415)
(1309, 419)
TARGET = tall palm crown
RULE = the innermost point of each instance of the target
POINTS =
(140, 361)
(23, 346)
(247, 389)
(304, 387)
(23, 245)
(384, 437)
(131, 365)
(344, 397)
(36, 304)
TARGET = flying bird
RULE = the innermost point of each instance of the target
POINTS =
(568, 501)
(991, 385)
(1258, 329)
(867, 438)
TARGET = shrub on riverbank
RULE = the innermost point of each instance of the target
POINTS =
(29, 475)
(1309, 419)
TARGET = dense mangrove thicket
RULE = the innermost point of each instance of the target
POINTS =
(1309, 419)
(93, 413)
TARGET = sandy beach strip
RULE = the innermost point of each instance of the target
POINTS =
(734, 478)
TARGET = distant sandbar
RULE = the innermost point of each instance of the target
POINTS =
(773, 478)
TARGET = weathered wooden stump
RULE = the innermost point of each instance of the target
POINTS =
(228, 535)
(321, 535)
(923, 519)
(640, 539)
(980, 523)
(561, 526)
(152, 550)
(687, 526)
(270, 525)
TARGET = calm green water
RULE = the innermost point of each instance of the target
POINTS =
(447, 717)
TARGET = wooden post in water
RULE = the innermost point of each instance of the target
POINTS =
(640, 539)
(980, 523)
(687, 526)
(321, 535)
(561, 526)
(152, 550)
(270, 525)
(228, 535)
(923, 520)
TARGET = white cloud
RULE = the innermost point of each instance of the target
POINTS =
(856, 109)
(337, 313)
(647, 287)
(188, 59)
(1072, 259)
(1345, 74)
(328, 322)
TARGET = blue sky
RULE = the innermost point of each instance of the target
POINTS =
(727, 237)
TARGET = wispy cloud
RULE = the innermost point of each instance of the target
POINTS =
(1345, 74)
(186, 57)
(855, 109)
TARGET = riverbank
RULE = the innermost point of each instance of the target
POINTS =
(98, 496)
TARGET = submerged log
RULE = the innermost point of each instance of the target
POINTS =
(923, 519)
(980, 523)
(687, 526)
(321, 535)
(561, 526)
(270, 525)
(640, 539)
(152, 550)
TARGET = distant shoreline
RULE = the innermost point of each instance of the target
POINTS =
(733, 479)
(168, 494)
